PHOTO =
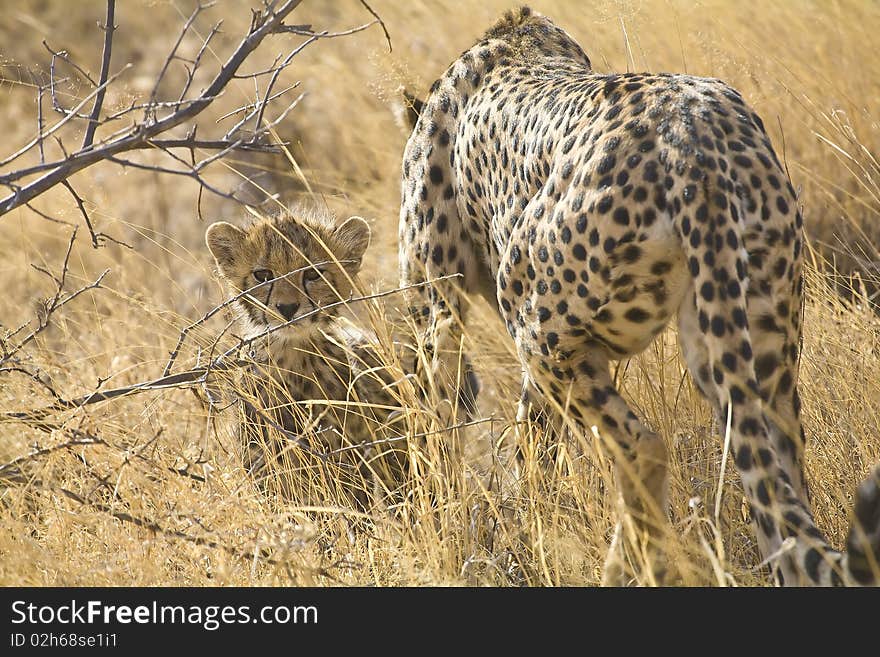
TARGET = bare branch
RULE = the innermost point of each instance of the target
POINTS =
(82, 209)
(381, 22)
(7, 179)
(159, 104)
(198, 59)
(255, 74)
(109, 28)
(193, 170)
(11, 472)
(262, 105)
(245, 555)
(61, 145)
(40, 90)
(308, 32)
(253, 132)
(263, 24)
(45, 216)
(12, 468)
(150, 115)
(313, 36)
(35, 376)
(62, 54)
(213, 144)
(56, 105)
(96, 237)
(189, 173)
(68, 116)
(255, 109)
(181, 379)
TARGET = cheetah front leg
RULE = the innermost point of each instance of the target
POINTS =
(438, 269)
(444, 373)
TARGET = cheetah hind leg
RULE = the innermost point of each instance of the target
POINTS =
(640, 532)
(524, 470)
(588, 396)
(538, 431)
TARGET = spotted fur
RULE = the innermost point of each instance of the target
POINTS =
(590, 209)
(317, 387)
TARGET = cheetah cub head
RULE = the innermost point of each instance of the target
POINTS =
(289, 267)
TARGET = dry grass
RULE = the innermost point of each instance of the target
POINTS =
(163, 499)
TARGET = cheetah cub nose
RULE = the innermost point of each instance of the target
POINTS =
(287, 310)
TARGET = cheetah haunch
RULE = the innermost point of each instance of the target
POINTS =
(317, 394)
(590, 209)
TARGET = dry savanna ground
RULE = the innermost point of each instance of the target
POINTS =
(149, 489)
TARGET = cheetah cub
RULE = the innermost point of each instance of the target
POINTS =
(316, 390)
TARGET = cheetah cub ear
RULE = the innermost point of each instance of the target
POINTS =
(225, 242)
(353, 236)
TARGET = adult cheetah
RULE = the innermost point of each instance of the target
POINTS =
(317, 394)
(590, 209)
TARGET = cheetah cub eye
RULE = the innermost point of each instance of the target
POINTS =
(263, 275)
(312, 275)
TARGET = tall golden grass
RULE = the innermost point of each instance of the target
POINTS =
(162, 499)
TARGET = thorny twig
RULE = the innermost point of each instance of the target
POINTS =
(196, 375)
(199, 375)
(70, 115)
(150, 113)
(216, 309)
(48, 307)
(97, 238)
(45, 216)
(40, 90)
(62, 54)
(190, 72)
(9, 360)
(11, 470)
